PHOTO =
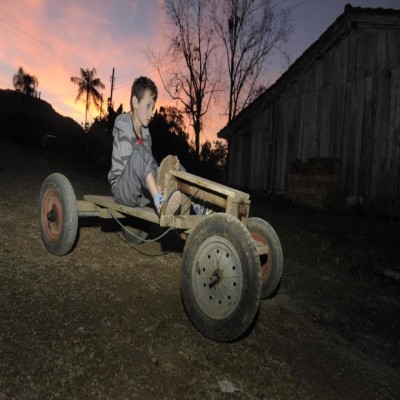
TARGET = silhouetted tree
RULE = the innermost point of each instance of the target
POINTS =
(111, 117)
(88, 84)
(193, 75)
(169, 137)
(249, 30)
(25, 83)
(168, 133)
(214, 160)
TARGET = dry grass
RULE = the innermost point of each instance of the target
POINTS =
(107, 322)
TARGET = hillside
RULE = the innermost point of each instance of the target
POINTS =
(27, 120)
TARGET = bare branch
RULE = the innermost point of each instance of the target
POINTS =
(249, 31)
(188, 70)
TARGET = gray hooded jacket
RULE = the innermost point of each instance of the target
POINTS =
(131, 163)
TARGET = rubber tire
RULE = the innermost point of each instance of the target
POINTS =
(237, 323)
(57, 195)
(271, 268)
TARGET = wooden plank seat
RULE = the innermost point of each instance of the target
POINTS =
(106, 207)
(146, 213)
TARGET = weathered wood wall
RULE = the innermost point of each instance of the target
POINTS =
(341, 100)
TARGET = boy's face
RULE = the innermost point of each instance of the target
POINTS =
(143, 109)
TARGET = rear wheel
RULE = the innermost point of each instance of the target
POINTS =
(221, 280)
(272, 262)
(58, 214)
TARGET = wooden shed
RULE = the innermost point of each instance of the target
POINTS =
(332, 119)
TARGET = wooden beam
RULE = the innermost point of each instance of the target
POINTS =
(239, 208)
(201, 194)
(146, 213)
(261, 248)
(88, 209)
(205, 183)
(86, 206)
(181, 221)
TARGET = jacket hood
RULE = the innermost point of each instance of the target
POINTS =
(123, 122)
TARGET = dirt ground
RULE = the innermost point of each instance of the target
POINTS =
(107, 320)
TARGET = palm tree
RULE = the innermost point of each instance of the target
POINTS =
(25, 83)
(88, 83)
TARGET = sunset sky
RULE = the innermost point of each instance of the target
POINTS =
(53, 39)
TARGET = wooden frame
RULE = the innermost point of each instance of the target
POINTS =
(226, 199)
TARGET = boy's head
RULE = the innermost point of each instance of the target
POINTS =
(139, 87)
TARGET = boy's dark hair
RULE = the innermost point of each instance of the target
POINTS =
(140, 85)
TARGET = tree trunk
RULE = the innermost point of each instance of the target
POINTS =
(87, 106)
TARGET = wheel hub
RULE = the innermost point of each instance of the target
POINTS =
(265, 259)
(52, 215)
(218, 277)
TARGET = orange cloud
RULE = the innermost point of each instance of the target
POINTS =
(53, 40)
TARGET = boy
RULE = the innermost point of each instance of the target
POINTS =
(133, 173)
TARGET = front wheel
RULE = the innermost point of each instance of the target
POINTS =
(58, 214)
(272, 262)
(221, 280)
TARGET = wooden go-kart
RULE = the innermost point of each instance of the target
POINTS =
(229, 261)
